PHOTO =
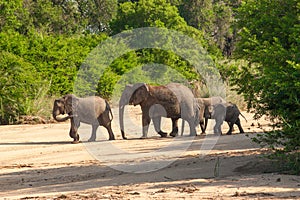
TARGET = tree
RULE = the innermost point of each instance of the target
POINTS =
(10, 15)
(269, 41)
(199, 14)
(151, 13)
(214, 18)
(154, 13)
(98, 14)
(56, 16)
(19, 86)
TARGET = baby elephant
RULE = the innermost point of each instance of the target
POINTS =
(90, 110)
(228, 112)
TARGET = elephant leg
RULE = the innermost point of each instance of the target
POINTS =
(94, 130)
(238, 123)
(157, 123)
(110, 132)
(75, 123)
(174, 132)
(192, 127)
(202, 126)
(217, 127)
(230, 128)
(145, 122)
(205, 125)
(106, 122)
(182, 127)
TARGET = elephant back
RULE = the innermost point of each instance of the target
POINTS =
(91, 108)
(185, 97)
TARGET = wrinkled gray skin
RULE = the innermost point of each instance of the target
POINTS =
(228, 112)
(205, 109)
(91, 110)
(171, 101)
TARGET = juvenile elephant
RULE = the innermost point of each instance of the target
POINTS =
(228, 112)
(91, 110)
(172, 101)
(205, 108)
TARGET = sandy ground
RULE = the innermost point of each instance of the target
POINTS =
(39, 162)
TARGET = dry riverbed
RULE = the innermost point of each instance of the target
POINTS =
(39, 162)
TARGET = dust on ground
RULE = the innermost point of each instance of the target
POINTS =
(39, 162)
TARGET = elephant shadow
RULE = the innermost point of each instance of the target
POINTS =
(34, 143)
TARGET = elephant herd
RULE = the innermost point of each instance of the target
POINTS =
(173, 101)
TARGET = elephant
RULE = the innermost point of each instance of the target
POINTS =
(228, 112)
(173, 101)
(205, 109)
(91, 110)
(206, 105)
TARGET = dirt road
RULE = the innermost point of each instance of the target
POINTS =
(38, 161)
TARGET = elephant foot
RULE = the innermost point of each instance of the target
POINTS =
(112, 138)
(143, 137)
(123, 135)
(174, 134)
(193, 133)
(92, 140)
(228, 133)
(75, 142)
(203, 133)
(162, 134)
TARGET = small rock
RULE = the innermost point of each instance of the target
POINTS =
(278, 180)
(134, 193)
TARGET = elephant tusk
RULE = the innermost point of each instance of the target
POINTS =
(61, 117)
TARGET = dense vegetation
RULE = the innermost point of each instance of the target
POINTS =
(270, 82)
(255, 44)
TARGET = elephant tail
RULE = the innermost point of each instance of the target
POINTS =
(243, 116)
(234, 105)
(109, 109)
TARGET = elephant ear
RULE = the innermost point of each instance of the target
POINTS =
(71, 104)
(146, 86)
(146, 89)
(139, 85)
(140, 94)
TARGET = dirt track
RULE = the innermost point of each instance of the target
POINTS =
(39, 161)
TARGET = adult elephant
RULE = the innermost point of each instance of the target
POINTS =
(205, 110)
(172, 101)
(228, 112)
(91, 110)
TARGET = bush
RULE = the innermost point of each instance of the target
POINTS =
(19, 87)
(270, 82)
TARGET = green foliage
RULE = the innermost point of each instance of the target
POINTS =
(48, 42)
(154, 13)
(60, 57)
(19, 84)
(57, 17)
(26, 60)
(10, 12)
(214, 18)
(161, 14)
(97, 14)
(107, 83)
(269, 40)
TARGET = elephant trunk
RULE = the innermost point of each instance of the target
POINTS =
(56, 113)
(121, 120)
